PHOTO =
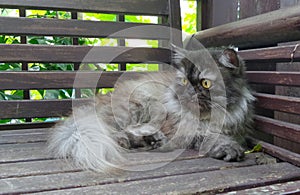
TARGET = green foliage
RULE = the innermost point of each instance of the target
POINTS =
(189, 14)
(257, 148)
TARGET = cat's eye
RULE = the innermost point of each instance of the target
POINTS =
(184, 81)
(206, 84)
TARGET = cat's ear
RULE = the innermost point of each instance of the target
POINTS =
(229, 58)
(178, 54)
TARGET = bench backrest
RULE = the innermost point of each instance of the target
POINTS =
(27, 57)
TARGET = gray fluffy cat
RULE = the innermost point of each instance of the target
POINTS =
(204, 104)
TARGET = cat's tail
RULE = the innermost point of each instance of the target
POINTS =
(86, 140)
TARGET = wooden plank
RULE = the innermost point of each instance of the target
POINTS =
(154, 7)
(23, 136)
(262, 30)
(274, 78)
(10, 153)
(278, 103)
(23, 152)
(288, 3)
(281, 129)
(217, 12)
(46, 167)
(61, 80)
(80, 28)
(82, 54)
(272, 54)
(31, 168)
(250, 8)
(281, 153)
(199, 182)
(292, 187)
(46, 108)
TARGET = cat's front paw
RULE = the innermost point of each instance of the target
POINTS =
(157, 140)
(227, 152)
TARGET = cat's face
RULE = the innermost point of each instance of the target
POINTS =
(207, 79)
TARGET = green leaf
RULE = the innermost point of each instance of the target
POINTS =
(256, 148)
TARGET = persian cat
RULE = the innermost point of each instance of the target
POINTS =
(204, 103)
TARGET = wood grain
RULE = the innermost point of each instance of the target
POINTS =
(272, 54)
(61, 80)
(82, 54)
(279, 103)
(281, 153)
(280, 188)
(278, 128)
(274, 78)
(154, 7)
(34, 109)
(80, 28)
(262, 30)
(250, 8)
(208, 182)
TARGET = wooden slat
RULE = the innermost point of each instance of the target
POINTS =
(281, 153)
(154, 7)
(272, 54)
(80, 28)
(216, 12)
(61, 80)
(24, 136)
(46, 167)
(275, 78)
(33, 108)
(292, 187)
(281, 129)
(84, 54)
(278, 103)
(250, 8)
(262, 30)
(31, 168)
(23, 152)
(198, 182)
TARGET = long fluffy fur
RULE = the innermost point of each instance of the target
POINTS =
(159, 108)
(87, 140)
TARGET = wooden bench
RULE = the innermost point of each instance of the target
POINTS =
(25, 167)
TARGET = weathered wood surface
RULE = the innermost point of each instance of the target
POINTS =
(209, 182)
(292, 187)
(275, 78)
(289, 53)
(216, 12)
(250, 8)
(46, 108)
(262, 30)
(81, 28)
(82, 54)
(154, 7)
(281, 153)
(278, 128)
(61, 80)
(27, 168)
(278, 103)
